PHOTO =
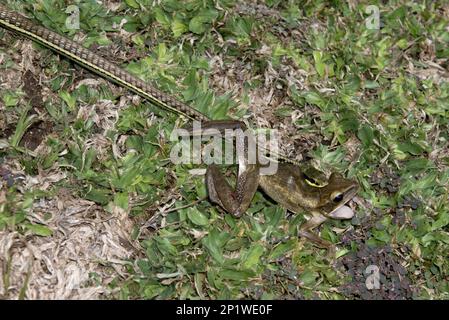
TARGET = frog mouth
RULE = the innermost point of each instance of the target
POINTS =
(344, 212)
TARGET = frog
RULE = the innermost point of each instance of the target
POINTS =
(301, 189)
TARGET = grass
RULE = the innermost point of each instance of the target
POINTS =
(372, 104)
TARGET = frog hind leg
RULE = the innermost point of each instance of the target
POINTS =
(233, 201)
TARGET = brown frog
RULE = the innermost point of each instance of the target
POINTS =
(300, 189)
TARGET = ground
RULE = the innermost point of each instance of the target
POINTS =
(92, 208)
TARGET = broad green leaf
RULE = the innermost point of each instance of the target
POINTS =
(39, 229)
(121, 200)
(198, 23)
(153, 290)
(366, 135)
(10, 99)
(197, 217)
(314, 98)
(253, 256)
(381, 235)
(178, 28)
(415, 166)
(100, 196)
(442, 220)
(320, 66)
(308, 277)
(68, 99)
(214, 243)
(132, 4)
(162, 17)
(237, 275)
(281, 249)
(165, 246)
(411, 148)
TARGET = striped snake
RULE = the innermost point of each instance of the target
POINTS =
(99, 65)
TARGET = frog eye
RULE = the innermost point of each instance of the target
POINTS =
(338, 198)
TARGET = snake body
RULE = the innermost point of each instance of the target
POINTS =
(99, 65)
(94, 62)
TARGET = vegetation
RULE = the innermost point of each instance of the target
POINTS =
(372, 104)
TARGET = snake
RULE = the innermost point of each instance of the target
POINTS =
(85, 57)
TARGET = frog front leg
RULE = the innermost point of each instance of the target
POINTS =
(233, 201)
(306, 231)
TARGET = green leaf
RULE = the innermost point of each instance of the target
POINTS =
(241, 26)
(178, 28)
(162, 17)
(39, 229)
(153, 290)
(10, 99)
(282, 249)
(165, 246)
(381, 235)
(68, 99)
(341, 253)
(197, 217)
(162, 52)
(411, 148)
(418, 165)
(366, 135)
(121, 200)
(314, 98)
(319, 65)
(132, 4)
(370, 84)
(214, 243)
(253, 256)
(353, 84)
(308, 278)
(100, 196)
(237, 275)
(442, 221)
(199, 23)
(349, 121)
(274, 215)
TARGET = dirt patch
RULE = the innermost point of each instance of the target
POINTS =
(377, 274)
(33, 90)
(88, 249)
(8, 176)
(35, 134)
